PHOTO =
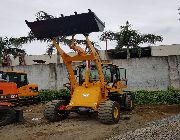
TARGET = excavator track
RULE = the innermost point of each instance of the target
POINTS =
(7, 115)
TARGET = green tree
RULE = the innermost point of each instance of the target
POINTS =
(10, 46)
(129, 38)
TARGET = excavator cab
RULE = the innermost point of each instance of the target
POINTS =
(19, 78)
(100, 88)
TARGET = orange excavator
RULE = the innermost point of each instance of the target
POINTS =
(9, 111)
(27, 92)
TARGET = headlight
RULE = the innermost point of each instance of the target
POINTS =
(3, 97)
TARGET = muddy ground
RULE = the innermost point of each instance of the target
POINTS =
(82, 127)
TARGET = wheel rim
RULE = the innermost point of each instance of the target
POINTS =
(116, 112)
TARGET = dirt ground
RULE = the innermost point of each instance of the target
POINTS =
(81, 127)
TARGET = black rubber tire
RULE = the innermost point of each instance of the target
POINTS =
(7, 115)
(129, 102)
(106, 112)
(51, 112)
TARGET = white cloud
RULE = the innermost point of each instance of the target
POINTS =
(148, 16)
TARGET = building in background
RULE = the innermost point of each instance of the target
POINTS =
(165, 50)
(38, 59)
(162, 50)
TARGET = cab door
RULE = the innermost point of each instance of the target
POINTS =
(22, 80)
(123, 78)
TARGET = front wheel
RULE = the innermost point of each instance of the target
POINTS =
(109, 112)
(54, 110)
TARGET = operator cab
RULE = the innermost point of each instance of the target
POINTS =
(112, 74)
(19, 78)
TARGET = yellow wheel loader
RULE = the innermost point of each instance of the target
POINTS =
(99, 87)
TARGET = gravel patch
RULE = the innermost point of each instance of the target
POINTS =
(164, 129)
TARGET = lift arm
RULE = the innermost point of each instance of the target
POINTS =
(85, 24)
(81, 56)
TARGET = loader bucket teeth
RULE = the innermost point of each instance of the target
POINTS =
(84, 23)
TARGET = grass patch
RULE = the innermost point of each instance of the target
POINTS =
(170, 96)
(49, 95)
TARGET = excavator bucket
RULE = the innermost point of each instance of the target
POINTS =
(84, 23)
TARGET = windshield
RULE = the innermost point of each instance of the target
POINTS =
(93, 74)
(11, 77)
(18, 78)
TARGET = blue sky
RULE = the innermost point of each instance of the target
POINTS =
(148, 16)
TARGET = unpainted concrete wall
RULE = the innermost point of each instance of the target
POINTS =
(165, 50)
(174, 70)
(150, 73)
(146, 73)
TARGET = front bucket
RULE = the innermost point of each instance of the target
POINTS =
(84, 23)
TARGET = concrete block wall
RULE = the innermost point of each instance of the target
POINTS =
(150, 73)
(174, 70)
(50, 76)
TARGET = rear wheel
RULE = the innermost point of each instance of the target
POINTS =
(109, 112)
(7, 115)
(54, 110)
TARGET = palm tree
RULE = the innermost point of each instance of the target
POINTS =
(129, 38)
